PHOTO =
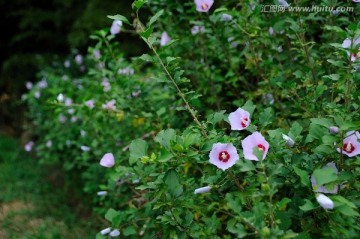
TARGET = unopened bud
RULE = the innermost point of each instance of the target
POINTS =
(333, 130)
(202, 190)
(289, 141)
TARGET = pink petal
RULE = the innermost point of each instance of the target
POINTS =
(107, 160)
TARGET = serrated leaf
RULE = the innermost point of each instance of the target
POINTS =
(138, 148)
(146, 57)
(325, 175)
(155, 17)
(165, 137)
(304, 177)
(119, 17)
(172, 180)
(308, 206)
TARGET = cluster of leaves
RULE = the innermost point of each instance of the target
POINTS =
(290, 71)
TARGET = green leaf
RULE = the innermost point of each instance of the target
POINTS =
(304, 177)
(165, 137)
(138, 149)
(266, 117)
(295, 130)
(172, 180)
(146, 57)
(119, 17)
(325, 175)
(216, 117)
(155, 17)
(146, 33)
(308, 206)
(130, 230)
(138, 4)
(249, 107)
(113, 216)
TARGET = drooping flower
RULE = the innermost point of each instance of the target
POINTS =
(115, 233)
(289, 141)
(42, 84)
(37, 94)
(321, 188)
(90, 104)
(226, 17)
(165, 39)
(105, 231)
(283, 3)
(67, 64)
(49, 143)
(351, 145)
(324, 201)
(107, 160)
(97, 54)
(354, 43)
(252, 141)
(60, 97)
(239, 119)
(79, 59)
(101, 193)
(85, 148)
(106, 84)
(62, 118)
(202, 190)
(223, 156)
(116, 27)
(197, 29)
(29, 85)
(110, 105)
(28, 147)
(333, 129)
(271, 31)
(203, 5)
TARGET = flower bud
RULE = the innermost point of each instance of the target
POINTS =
(115, 233)
(333, 130)
(289, 141)
(324, 201)
(101, 193)
(105, 231)
(202, 190)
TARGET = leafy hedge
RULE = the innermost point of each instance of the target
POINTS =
(284, 165)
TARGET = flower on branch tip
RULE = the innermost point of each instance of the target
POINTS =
(105, 231)
(226, 17)
(197, 29)
(321, 188)
(79, 59)
(107, 160)
(289, 141)
(90, 104)
(115, 27)
(165, 39)
(239, 119)
(101, 193)
(85, 148)
(352, 43)
(223, 156)
(324, 201)
(110, 105)
(49, 143)
(255, 140)
(203, 5)
(29, 85)
(60, 97)
(202, 190)
(28, 147)
(333, 130)
(351, 144)
(115, 233)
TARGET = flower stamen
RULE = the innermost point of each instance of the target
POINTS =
(224, 156)
(261, 147)
(204, 6)
(348, 147)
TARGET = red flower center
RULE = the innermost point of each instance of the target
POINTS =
(204, 6)
(261, 147)
(348, 147)
(224, 156)
(244, 122)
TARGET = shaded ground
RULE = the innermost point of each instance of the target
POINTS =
(31, 205)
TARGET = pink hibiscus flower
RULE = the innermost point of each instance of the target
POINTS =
(239, 119)
(107, 160)
(203, 5)
(351, 145)
(223, 156)
(252, 141)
